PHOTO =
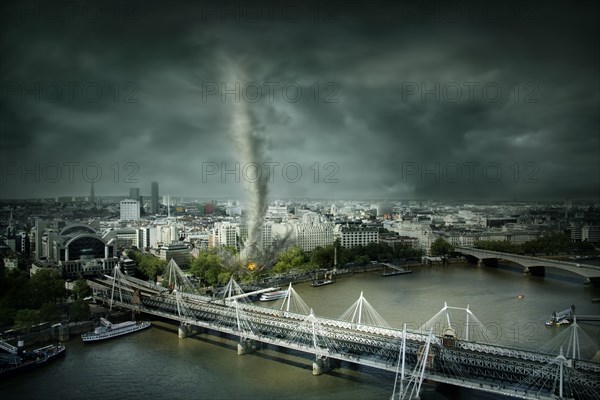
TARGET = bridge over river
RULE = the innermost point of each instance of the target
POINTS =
(537, 265)
(360, 337)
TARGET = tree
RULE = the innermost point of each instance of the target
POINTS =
(49, 312)
(81, 289)
(26, 318)
(47, 286)
(207, 266)
(322, 256)
(134, 255)
(292, 258)
(147, 266)
(362, 260)
(151, 266)
(440, 247)
(79, 311)
(224, 277)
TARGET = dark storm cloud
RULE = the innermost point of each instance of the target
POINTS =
(364, 121)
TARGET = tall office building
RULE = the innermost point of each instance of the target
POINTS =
(92, 194)
(154, 199)
(134, 194)
(40, 227)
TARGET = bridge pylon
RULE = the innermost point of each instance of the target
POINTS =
(246, 345)
(363, 313)
(177, 279)
(414, 379)
(293, 302)
(467, 328)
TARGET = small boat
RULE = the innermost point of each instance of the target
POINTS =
(14, 364)
(109, 330)
(521, 296)
(328, 276)
(280, 294)
(321, 282)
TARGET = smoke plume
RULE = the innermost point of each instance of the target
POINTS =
(250, 149)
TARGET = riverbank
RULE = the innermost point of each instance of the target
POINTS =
(63, 332)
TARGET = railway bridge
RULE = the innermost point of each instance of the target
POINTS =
(361, 337)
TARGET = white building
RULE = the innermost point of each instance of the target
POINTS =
(309, 236)
(334, 209)
(421, 231)
(130, 210)
(226, 234)
(585, 233)
(277, 213)
(310, 218)
(169, 234)
(354, 236)
(266, 239)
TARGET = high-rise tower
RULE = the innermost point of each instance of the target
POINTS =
(154, 198)
(134, 193)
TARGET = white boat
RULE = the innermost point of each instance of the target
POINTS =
(109, 330)
(280, 294)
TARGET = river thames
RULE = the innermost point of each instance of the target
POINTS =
(156, 364)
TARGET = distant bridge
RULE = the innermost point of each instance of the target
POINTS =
(537, 265)
(361, 336)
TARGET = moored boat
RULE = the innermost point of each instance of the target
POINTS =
(14, 364)
(321, 282)
(562, 318)
(280, 294)
(109, 330)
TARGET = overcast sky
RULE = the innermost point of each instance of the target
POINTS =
(471, 100)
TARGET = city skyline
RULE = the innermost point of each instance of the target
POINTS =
(398, 101)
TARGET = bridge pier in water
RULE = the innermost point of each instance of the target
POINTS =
(63, 333)
(321, 365)
(246, 346)
(534, 271)
(186, 330)
(593, 281)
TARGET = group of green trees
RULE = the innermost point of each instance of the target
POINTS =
(26, 301)
(210, 268)
(441, 248)
(323, 257)
(147, 266)
(555, 243)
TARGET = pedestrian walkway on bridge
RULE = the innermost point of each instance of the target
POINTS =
(362, 337)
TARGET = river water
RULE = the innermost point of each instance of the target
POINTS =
(155, 364)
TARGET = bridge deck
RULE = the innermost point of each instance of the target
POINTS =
(467, 364)
(585, 270)
(587, 317)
